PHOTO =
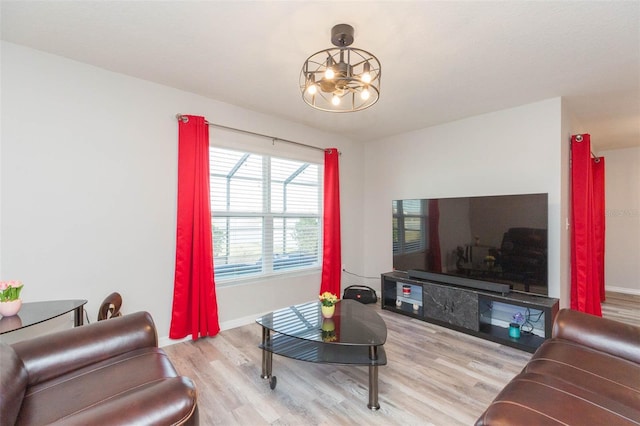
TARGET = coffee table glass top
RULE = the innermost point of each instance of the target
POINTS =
(33, 313)
(353, 324)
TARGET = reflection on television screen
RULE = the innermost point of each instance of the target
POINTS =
(501, 239)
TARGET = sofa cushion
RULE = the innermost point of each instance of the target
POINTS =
(614, 378)
(134, 386)
(13, 383)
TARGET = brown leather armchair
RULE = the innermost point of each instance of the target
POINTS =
(109, 372)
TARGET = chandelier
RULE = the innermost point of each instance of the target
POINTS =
(341, 78)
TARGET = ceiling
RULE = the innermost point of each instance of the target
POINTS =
(441, 60)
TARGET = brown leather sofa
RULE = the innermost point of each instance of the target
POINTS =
(109, 372)
(588, 373)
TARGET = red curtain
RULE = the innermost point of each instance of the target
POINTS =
(332, 259)
(435, 257)
(587, 227)
(597, 165)
(195, 310)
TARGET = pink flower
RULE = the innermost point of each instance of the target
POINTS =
(10, 290)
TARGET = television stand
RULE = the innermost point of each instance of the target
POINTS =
(475, 311)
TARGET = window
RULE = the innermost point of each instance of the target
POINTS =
(265, 213)
(409, 226)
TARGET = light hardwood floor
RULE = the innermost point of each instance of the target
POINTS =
(622, 307)
(434, 376)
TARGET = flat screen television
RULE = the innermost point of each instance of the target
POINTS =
(498, 239)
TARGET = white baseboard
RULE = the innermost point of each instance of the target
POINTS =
(226, 325)
(166, 341)
(624, 290)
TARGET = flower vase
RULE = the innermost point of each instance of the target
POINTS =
(328, 330)
(10, 308)
(328, 311)
(328, 325)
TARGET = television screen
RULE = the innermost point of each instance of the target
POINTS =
(501, 238)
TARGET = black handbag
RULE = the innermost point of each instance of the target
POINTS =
(361, 293)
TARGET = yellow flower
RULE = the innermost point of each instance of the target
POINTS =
(328, 299)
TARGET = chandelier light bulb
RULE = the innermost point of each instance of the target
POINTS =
(366, 74)
(311, 85)
(312, 89)
(365, 94)
(335, 100)
(329, 74)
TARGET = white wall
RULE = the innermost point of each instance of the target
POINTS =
(88, 188)
(518, 150)
(622, 234)
(570, 126)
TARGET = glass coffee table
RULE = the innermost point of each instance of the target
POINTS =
(355, 335)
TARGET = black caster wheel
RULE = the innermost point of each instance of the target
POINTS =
(273, 382)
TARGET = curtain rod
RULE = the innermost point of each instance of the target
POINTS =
(185, 119)
(579, 138)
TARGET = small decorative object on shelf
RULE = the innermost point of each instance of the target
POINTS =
(398, 303)
(518, 318)
(406, 290)
(416, 306)
(514, 326)
(514, 330)
(328, 301)
(10, 302)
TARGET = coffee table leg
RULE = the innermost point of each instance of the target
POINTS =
(267, 357)
(373, 380)
(77, 316)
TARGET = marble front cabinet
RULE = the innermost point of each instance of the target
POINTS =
(476, 312)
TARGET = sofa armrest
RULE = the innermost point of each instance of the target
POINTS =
(13, 384)
(52, 355)
(606, 335)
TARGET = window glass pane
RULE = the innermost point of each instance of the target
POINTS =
(294, 187)
(249, 238)
(245, 195)
(237, 246)
(296, 242)
(236, 181)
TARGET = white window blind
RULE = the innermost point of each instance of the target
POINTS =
(265, 213)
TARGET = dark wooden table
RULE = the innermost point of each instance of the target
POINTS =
(33, 313)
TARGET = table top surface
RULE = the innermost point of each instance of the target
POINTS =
(32, 313)
(353, 324)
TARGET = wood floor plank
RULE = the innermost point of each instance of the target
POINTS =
(434, 376)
